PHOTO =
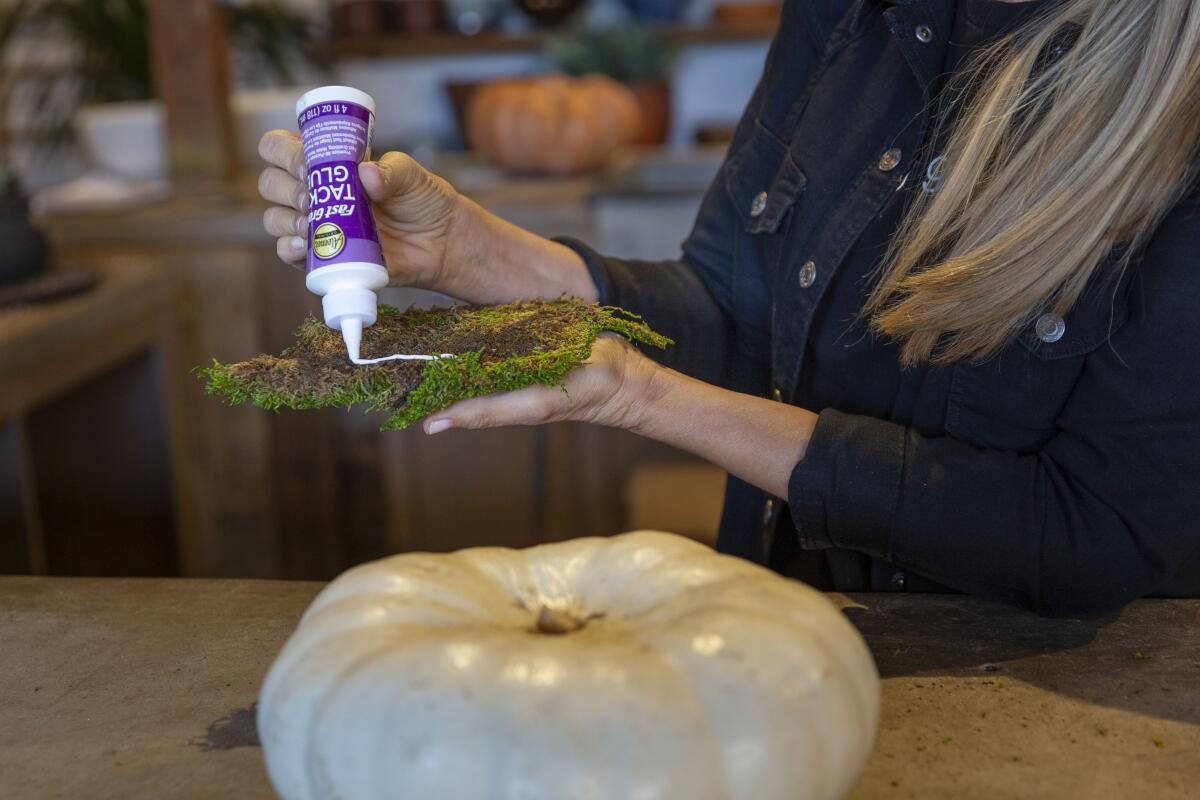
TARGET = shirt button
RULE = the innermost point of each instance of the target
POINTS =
(924, 34)
(1050, 328)
(898, 581)
(777, 394)
(769, 512)
(759, 205)
(889, 160)
(808, 274)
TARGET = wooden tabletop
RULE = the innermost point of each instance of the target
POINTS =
(125, 688)
(45, 350)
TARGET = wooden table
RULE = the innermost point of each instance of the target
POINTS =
(125, 688)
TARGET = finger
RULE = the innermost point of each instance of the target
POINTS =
(280, 221)
(283, 149)
(393, 174)
(291, 249)
(532, 406)
(279, 187)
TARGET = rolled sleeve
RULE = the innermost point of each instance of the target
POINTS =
(676, 299)
(601, 269)
(845, 491)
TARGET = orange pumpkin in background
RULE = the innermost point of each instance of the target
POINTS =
(552, 125)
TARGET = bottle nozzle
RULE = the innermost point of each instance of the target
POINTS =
(352, 336)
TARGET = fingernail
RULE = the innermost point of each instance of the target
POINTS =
(302, 202)
(437, 426)
(298, 243)
(371, 166)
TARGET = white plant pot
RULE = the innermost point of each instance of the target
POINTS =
(256, 111)
(127, 139)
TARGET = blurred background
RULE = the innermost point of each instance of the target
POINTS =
(133, 251)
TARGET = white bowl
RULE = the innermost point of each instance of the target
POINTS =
(127, 139)
(256, 111)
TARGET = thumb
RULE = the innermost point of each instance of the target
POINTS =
(393, 174)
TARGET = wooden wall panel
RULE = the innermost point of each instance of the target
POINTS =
(190, 61)
(99, 455)
(588, 468)
(459, 489)
(304, 445)
(237, 520)
(365, 510)
(21, 544)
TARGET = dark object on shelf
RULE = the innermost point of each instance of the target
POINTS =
(24, 245)
(471, 17)
(715, 133)
(654, 102)
(460, 93)
(57, 285)
(386, 45)
(415, 16)
(753, 13)
(356, 17)
(626, 53)
(549, 13)
(656, 11)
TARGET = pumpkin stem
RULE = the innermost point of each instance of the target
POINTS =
(556, 623)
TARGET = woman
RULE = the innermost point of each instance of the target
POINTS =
(943, 298)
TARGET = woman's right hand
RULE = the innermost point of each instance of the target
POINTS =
(414, 209)
(432, 237)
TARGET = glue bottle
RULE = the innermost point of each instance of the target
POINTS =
(345, 263)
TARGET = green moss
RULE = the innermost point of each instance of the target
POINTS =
(496, 349)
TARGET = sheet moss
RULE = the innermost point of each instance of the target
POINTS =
(495, 349)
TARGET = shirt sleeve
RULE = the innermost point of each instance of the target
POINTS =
(686, 299)
(1102, 514)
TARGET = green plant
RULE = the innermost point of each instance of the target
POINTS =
(630, 54)
(275, 36)
(496, 349)
(113, 46)
(112, 37)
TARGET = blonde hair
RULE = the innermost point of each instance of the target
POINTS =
(1049, 172)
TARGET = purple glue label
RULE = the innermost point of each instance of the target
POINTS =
(336, 136)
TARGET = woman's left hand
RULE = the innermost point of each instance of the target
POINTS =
(607, 389)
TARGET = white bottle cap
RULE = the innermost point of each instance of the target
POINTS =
(345, 302)
(334, 94)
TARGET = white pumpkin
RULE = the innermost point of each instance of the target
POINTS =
(638, 667)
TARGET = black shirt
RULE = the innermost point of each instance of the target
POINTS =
(1059, 474)
(852, 349)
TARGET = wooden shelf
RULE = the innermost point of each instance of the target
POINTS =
(439, 44)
